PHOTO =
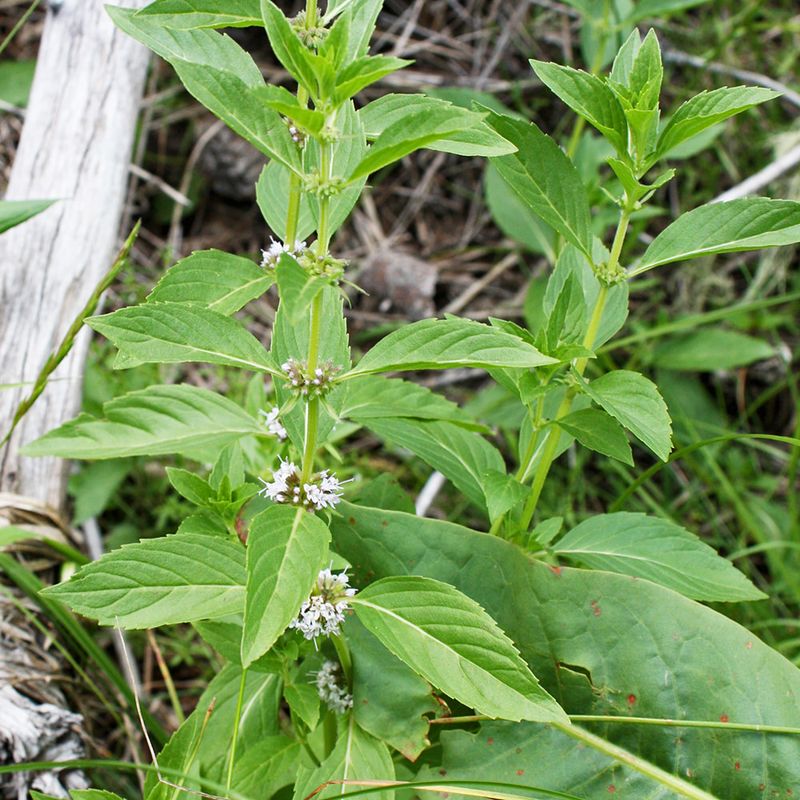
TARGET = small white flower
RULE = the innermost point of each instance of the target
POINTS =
(330, 692)
(270, 256)
(273, 423)
(322, 491)
(323, 613)
(277, 489)
(325, 494)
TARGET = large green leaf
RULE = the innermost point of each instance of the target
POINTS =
(445, 343)
(635, 401)
(178, 578)
(610, 645)
(174, 333)
(750, 224)
(545, 180)
(707, 109)
(659, 550)
(390, 700)
(268, 764)
(157, 421)
(453, 643)
(358, 756)
(15, 212)
(375, 397)
(190, 14)
(219, 281)
(462, 456)
(589, 97)
(286, 549)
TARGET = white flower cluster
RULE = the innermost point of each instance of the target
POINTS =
(323, 613)
(273, 423)
(270, 256)
(322, 491)
(333, 695)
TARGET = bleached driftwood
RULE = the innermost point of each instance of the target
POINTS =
(76, 147)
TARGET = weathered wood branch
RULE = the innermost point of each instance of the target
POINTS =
(76, 146)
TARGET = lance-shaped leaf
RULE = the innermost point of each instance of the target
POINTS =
(452, 642)
(598, 431)
(750, 224)
(545, 180)
(364, 71)
(462, 456)
(286, 548)
(219, 281)
(358, 756)
(268, 764)
(178, 578)
(15, 212)
(174, 333)
(191, 14)
(157, 421)
(604, 644)
(589, 97)
(658, 550)
(710, 349)
(636, 403)
(707, 109)
(445, 343)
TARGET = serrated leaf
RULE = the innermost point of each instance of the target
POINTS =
(364, 71)
(298, 288)
(605, 644)
(174, 333)
(191, 486)
(707, 109)
(178, 578)
(589, 97)
(502, 492)
(159, 420)
(463, 457)
(219, 281)
(710, 349)
(286, 548)
(303, 700)
(750, 224)
(545, 179)
(191, 14)
(15, 212)
(272, 196)
(598, 431)
(453, 643)
(635, 401)
(397, 717)
(376, 397)
(658, 550)
(445, 343)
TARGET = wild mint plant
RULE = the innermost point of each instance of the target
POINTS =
(364, 643)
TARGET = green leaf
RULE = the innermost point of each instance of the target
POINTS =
(298, 288)
(654, 8)
(16, 79)
(445, 343)
(463, 457)
(272, 196)
(356, 757)
(15, 212)
(159, 420)
(634, 401)
(303, 700)
(545, 180)
(363, 72)
(397, 717)
(94, 487)
(750, 224)
(710, 349)
(603, 644)
(453, 643)
(502, 491)
(659, 551)
(415, 129)
(707, 109)
(589, 97)
(286, 549)
(191, 486)
(191, 14)
(474, 138)
(268, 765)
(93, 794)
(219, 281)
(376, 397)
(174, 333)
(178, 578)
(598, 431)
